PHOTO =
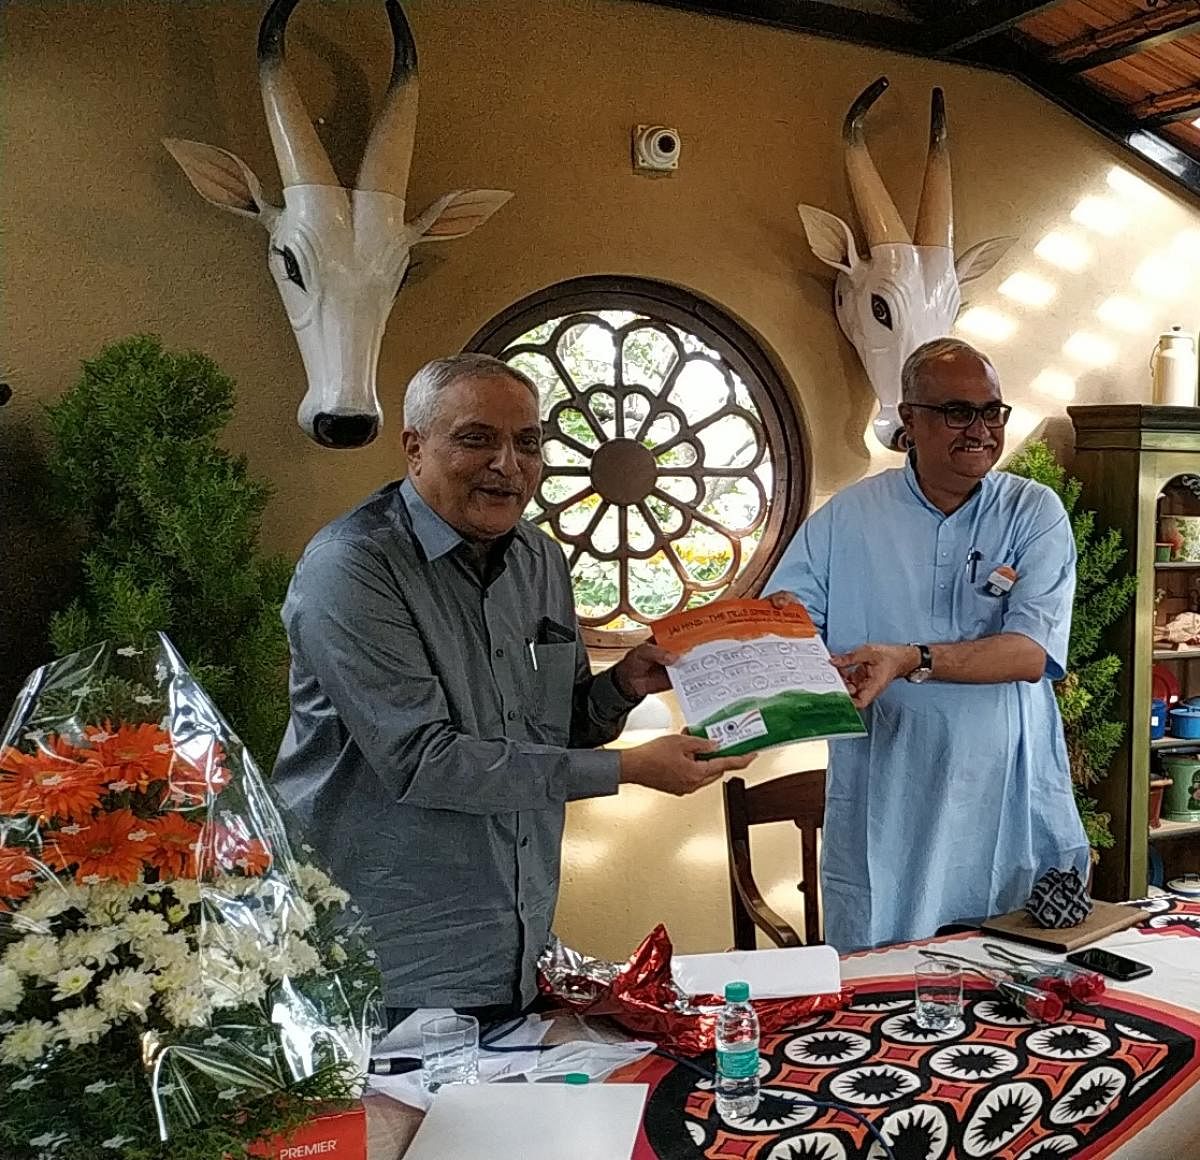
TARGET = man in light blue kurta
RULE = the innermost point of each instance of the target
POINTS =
(960, 796)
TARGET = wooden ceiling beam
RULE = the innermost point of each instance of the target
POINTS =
(1137, 34)
(1163, 108)
(1084, 102)
(816, 19)
(981, 21)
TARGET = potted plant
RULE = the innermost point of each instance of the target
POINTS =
(1086, 693)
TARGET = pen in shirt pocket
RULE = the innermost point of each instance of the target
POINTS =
(532, 655)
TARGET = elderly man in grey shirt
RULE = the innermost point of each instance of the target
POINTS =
(443, 707)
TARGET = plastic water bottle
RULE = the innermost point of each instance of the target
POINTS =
(737, 1054)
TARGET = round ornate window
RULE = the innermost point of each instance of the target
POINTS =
(676, 466)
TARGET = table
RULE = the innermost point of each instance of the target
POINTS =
(1121, 1081)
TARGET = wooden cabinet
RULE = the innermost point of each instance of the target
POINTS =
(1137, 464)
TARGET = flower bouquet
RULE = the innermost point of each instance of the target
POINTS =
(174, 980)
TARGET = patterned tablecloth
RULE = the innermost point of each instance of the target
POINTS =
(1118, 1079)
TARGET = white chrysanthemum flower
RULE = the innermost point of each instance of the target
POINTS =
(80, 1025)
(310, 878)
(72, 981)
(252, 949)
(178, 975)
(235, 886)
(53, 899)
(26, 1042)
(12, 990)
(36, 955)
(143, 924)
(298, 917)
(108, 903)
(127, 991)
(163, 950)
(333, 896)
(187, 1007)
(94, 948)
(186, 891)
(99, 1087)
(177, 913)
(236, 989)
(300, 957)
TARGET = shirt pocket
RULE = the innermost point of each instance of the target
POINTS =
(981, 613)
(553, 688)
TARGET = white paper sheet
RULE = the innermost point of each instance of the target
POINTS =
(405, 1040)
(531, 1122)
(774, 974)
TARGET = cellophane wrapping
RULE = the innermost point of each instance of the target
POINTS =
(176, 978)
(642, 997)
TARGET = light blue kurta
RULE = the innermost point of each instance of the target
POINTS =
(960, 797)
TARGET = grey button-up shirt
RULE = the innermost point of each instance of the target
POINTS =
(439, 724)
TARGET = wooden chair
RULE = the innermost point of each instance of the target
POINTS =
(797, 798)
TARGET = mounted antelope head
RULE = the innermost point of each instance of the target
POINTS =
(907, 291)
(339, 256)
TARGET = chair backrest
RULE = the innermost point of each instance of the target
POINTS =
(798, 798)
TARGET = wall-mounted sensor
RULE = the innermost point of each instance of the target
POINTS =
(655, 148)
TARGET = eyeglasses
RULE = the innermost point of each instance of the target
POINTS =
(960, 416)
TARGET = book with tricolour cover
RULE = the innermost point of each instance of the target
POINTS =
(750, 676)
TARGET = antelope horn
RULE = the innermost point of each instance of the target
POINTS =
(389, 151)
(935, 217)
(880, 218)
(298, 150)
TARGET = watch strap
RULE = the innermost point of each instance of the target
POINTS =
(924, 663)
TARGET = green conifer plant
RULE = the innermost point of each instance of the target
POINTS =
(1086, 694)
(170, 525)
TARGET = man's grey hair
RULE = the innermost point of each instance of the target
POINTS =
(422, 399)
(914, 365)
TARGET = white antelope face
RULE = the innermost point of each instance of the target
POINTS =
(907, 291)
(338, 256)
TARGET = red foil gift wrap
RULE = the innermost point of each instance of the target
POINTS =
(642, 997)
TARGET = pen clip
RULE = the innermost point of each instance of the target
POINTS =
(533, 655)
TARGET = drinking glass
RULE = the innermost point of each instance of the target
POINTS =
(449, 1051)
(939, 996)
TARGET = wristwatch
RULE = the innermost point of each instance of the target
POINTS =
(924, 669)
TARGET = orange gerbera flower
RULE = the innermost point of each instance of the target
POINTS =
(222, 849)
(18, 872)
(133, 755)
(197, 772)
(51, 782)
(110, 847)
(173, 845)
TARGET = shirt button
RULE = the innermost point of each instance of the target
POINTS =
(499, 653)
(524, 843)
(512, 713)
(941, 585)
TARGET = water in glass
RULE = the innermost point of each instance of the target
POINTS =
(938, 991)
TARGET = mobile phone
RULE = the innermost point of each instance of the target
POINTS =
(1114, 966)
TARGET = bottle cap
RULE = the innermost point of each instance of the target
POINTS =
(575, 1077)
(737, 992)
